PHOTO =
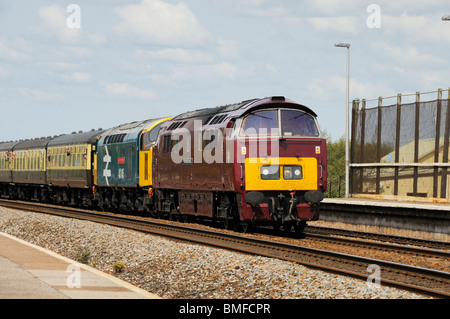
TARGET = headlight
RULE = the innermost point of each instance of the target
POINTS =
(270, 172)
(292, 172)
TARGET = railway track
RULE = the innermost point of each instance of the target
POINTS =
(419, 279)
(402, 240)
(382, 247)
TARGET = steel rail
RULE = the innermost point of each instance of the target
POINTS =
(425, 281)
(382, 246)
(436, 244)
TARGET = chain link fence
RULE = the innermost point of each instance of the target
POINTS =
(401, 149)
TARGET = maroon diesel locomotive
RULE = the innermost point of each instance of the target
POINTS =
(261, 161)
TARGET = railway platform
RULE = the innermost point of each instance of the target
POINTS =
(31, 272)
(406, 215)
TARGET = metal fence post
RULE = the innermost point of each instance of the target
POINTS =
(437, 143)
(445, 151)
(416, 143)
(397, 141)
(377, 186)
(353, 144)
(361, 155)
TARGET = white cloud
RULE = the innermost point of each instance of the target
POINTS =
(78, 52)
(218, 71)
(401, 6)
(9, 53)
(3, 72)
(333, 7)
(420, 67)
(177, 55)
(161, 23)
(128, 90)
(39, 95)
(260, 8)
(189, 74)
(77, 77)
(359, 8)
(266, 9)
(407, 55)
(417, 28)
(61, 66)
(228, 49)
(328, 88)
(342, 24)
(135, 67)
(54, 23)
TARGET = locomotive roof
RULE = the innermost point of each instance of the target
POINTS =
(130, 128)
(77, 138)
(241, 108)
(214, 110)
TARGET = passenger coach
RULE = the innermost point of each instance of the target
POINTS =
(69, 167)
(25, 161)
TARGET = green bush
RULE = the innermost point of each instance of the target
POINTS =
(85, 255)
(119, 267)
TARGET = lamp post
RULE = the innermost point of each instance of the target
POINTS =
(347, 161)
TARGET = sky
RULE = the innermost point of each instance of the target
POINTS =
(76, 65)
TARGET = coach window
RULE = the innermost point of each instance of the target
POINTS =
(41, 160)
(68, 158)
(298, 123)
(26, 160)
(260, 123)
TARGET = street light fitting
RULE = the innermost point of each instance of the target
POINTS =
(342, 45)
(446, 18)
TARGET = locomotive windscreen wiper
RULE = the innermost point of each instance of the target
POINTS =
(292, 118)
(264, 117)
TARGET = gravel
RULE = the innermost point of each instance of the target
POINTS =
(175, 270)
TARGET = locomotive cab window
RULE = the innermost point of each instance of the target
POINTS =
(260, 123)
(268, 122)
(150, 138)
(298, 123)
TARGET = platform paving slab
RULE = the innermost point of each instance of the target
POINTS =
(31, 272)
